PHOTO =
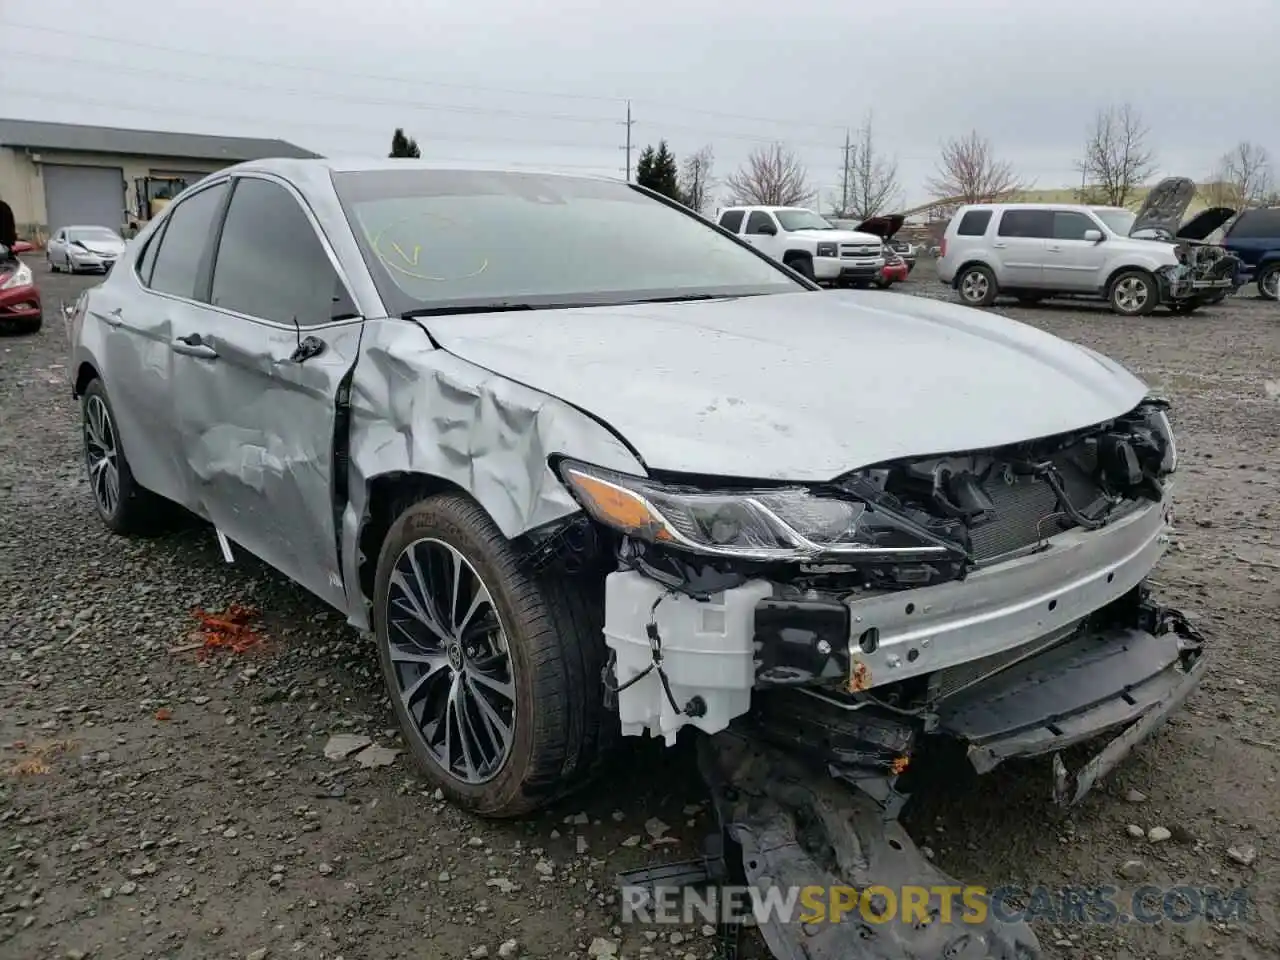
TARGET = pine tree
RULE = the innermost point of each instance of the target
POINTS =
(657, 170)
(403, 146)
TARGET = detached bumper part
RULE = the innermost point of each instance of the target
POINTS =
(1119, 679)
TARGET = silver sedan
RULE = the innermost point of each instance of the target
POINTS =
(587, 465)
(77, 249)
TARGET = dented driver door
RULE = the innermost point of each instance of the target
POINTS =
(256, 381)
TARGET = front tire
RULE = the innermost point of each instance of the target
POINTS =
(977, 287)
(802, 266)
(1269, 282)
(124, 505)
(494, 673)
(1133, 294)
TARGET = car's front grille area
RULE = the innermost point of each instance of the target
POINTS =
(858, 250)
(1026, 508)
(952, 680)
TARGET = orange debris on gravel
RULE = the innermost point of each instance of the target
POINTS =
(164, 713)
(230, 630)
(36, 763)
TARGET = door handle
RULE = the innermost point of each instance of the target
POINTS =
(1054, 249)
(193, 345)
(999, 246)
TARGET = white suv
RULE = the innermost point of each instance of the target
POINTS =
(808, 244)
(1032, 251)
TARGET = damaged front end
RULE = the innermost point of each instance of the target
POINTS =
(1203, 272)
(994, 597)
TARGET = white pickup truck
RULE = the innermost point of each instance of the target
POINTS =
(808, 244)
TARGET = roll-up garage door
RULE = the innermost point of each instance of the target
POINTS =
(83, 196)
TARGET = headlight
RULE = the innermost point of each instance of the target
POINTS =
(828, 250)
(19, 278)
(771, 524)
(1163, 430)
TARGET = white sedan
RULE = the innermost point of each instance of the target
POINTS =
(84, 248)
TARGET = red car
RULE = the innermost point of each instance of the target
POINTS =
(19, 299)
(893, 271)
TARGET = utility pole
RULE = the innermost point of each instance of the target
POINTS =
(844, 183)
(628, 123)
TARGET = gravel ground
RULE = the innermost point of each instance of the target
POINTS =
(156, 804)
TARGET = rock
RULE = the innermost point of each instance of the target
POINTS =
(1243, 854)
(376, 756)
(501, 884)
(476, 842)
(1136, 831)
(1133, 870)
(1136, 796)
(545, 867)
(325, 869)
(128, 888)
(509, 949)
(230, 833)
(259, 954)
(578, 820)
(479, 952)
(342, 745)
(581, 844)
(600, 947)
(655, 828)
(444, 876)
(632, 841)
(106, 893)
(677, 938)
(1158, 834)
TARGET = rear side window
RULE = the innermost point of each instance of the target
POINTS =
(731, 220)
(186, 236)
(1037, 224)
(759, 221)
(1257, 225)
(147, 262)
(1068, 225)
(974, 223)
(271, 264)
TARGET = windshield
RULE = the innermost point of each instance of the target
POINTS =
(93, 235)
(435, 239)
(1119, 222)
(801, 220)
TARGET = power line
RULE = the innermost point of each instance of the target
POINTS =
(36, 94)
(292, 92)
(408, 80)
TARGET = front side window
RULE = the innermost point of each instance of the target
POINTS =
(271, 264)
(759, 222)
(1028, 224)
(1119, 222)
(1068, 225)
(441, 239)
(187, 232)
(731, 220)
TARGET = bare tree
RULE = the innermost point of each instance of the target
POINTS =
(1242, 178)
(1116, 158)
(696, 179)
(773, 176)
(869, 183)
(968, 172)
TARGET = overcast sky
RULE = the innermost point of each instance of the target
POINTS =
(545, 83)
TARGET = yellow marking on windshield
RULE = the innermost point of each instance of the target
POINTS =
(401, 262)
(413, 261)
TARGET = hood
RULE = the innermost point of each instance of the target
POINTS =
(801, 386)
(107, 248)
(1205, 222)
(834, 236)
(1166, 202)
(883, 227)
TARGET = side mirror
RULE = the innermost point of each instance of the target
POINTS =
(1093, 236)
(22, 246)
(768, 230)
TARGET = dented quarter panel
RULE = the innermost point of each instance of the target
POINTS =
(417, 409)
(802, 386)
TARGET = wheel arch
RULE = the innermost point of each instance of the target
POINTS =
(86, 373)
(1130, 268)
(796, 254)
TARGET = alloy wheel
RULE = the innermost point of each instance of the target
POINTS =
(101, 455)
(451, 661)
(1131, 294)
(974, 286)
(1271, 285)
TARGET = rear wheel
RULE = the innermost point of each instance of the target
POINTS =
(1216, 296)
(494, 674)
(1269, 282)
(124, 505)
(977, 286)
(1133, 294)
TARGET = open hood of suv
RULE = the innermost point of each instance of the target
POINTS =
(1205, 222)
(1165, 204)
(883, 227)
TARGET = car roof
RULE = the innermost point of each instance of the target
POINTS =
(291, 168)
(1041, 206)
